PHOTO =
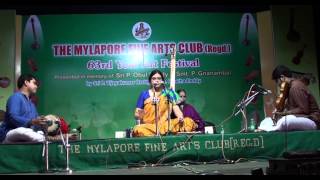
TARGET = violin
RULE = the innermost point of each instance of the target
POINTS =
(281, 100)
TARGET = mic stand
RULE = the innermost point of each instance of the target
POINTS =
(67, 148)
(242, 105)
(45, 152)
(169, 112)
(155, 103)
(169, 117)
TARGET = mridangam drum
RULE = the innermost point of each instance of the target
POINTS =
(53, 124)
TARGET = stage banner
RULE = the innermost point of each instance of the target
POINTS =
(102, 154)
(92, 67)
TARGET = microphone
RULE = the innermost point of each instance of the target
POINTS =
(161, 83)
(263, 90)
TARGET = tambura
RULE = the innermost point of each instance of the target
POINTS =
(53, 124)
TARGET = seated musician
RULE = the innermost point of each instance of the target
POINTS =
(300, 111)
(156, 98)
(189, 111)
(21, 123)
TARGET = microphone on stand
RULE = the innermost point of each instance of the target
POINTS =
(159, 83)
(263, 90)
(162, 84)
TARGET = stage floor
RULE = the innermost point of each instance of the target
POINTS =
(106, 155)
(240, 168)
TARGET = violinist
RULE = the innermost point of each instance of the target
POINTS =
(296, 108)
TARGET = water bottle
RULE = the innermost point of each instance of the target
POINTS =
(74, 132)
(222, 130)
(129, 132)
(252, 126)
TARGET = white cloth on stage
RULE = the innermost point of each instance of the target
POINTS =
(288, 123)
(23, 135)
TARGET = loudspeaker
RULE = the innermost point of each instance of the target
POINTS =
(295, 163)
(257, 171)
